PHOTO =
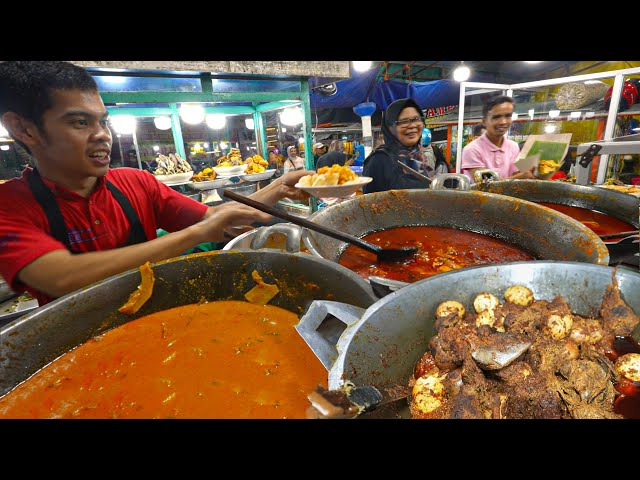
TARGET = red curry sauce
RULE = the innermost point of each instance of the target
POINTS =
(600, 223)
(225, 359)
(440, 249)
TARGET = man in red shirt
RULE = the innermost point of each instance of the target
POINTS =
(72, 221)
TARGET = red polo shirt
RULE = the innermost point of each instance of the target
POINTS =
(94, 223)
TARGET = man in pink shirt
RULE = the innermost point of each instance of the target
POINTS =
(492, 150)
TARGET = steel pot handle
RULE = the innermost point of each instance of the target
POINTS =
(384, 286)
(308, 325)
(460, 181)
(291, 232)
(485, 175)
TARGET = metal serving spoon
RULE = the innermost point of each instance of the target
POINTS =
(383, 254)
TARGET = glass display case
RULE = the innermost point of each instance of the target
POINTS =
(592, 107)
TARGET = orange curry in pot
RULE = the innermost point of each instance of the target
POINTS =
(223, 359)
(440, 249)
(600, 223)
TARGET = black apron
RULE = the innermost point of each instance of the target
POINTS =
(59, 230)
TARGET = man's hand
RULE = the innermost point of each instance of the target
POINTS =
(221, 218)
(283, 187)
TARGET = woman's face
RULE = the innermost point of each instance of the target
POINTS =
(409, 127)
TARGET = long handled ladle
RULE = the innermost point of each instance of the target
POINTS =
(383, 254)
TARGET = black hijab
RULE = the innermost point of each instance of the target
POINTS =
(388, 128)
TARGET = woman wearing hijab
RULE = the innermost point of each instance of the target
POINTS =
(293, 161)
(402, 125)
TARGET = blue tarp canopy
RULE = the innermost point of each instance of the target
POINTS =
(363, 87)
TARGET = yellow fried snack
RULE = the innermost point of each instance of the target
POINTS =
(326, 176)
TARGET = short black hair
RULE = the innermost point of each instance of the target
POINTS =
(492, 102)
(25, 86)
(477, 129)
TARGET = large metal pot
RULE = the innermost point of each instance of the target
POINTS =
(616, 204)
(543, 232)
(32, 341)
(382, 343)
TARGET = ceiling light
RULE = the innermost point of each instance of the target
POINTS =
(461, 73)
(156, 148)
(192, 114)
(361, 66)
(514, 116)
(248, 122)
(124, 124)
(554, 113)
(216, 121)
(4, 147)
(575, 114)
(3, 131)
(162, 123)
(291, 116)
(532, 62)
(223, 145)
(549, 128)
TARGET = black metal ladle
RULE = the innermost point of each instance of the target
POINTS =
(383, 254)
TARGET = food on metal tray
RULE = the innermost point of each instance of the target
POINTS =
(533, 359)
(231, 160)
(334, 175)
(207, 174)
(171, 165)
(255, 164)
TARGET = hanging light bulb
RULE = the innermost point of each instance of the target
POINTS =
(124, 124)
(162, 123)
(191, 113)
(291, 116)
(248, 122)
(461, 73)
(216, 121)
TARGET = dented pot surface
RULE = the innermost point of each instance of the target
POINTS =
(543, 232)
(34, 340)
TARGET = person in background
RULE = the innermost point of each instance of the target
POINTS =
(432, 164)
(318, 151)
(273, 160)
(293, 161)
(71, 221)
(477, 130)
(402, 124)
(492, 149)
(335, 156)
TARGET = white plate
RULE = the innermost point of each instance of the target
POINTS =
(230, 171)
(256, 177)
(343, 190)
(175, 178)
(210, 184)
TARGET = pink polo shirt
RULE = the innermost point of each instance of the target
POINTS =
(481, 153)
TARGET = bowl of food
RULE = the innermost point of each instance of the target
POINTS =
(256, 177)
(232, 171)
(334, 181)
(175, 178)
